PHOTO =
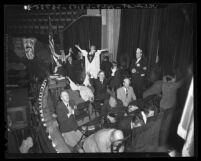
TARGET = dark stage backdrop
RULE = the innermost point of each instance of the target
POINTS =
(171, 28)
(87, 28)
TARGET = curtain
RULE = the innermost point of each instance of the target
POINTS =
(170, 28)
(85, 31)
(113, 27)
(176, 37)
(139, 29)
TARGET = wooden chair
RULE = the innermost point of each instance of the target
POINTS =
(97, 104)
(82, 111)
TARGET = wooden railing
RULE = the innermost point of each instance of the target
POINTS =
(49, 122)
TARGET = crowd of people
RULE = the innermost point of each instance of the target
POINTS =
(123, 102)
(121, 97)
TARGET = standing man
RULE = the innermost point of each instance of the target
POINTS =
(92, 60)
(138, 73)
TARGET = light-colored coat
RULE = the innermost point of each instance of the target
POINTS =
(121, 95)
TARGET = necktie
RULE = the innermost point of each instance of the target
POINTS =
(126, 92)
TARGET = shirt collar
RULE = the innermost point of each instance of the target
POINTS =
(66, 104)
(126, 88)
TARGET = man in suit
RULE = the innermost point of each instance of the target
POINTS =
(115, 81)
(67, 123)
(126, 93)
(100, 86)
(138, 73)
(106, 66)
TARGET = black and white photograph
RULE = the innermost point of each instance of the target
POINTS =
(108, 80)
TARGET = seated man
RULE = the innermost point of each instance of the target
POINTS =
(67, 123)
(100, 86)
(112, 105)
(126, 93)
(102, 140)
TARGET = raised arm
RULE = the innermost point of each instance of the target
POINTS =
(84, 52)
(103, 50)
(78, 47)
(68, 55)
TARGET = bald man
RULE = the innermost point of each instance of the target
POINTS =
(102, 140)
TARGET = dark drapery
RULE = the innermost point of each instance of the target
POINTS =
(176, 37)
(87, 28)
(139, 28)
(170, 27)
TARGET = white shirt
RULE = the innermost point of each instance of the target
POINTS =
(92, 67)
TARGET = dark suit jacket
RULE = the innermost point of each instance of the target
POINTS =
(139, 67)
(66, 124)
(115, 81)
(70, 71)
(99, 88)
(125, 125)
(106, 67)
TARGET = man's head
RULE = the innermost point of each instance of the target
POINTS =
(117, 135)
(64, 96)
(112, 101)
(138, 53)
(101, 75)
(126, 82)
(93, 49)
(79, 55)
(70, 50)
(150, 111)
(137, 120)
(106, 58)
(70, 59)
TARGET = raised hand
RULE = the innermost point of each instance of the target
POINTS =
(77, 46)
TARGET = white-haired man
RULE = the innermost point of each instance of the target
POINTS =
(102, 140)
